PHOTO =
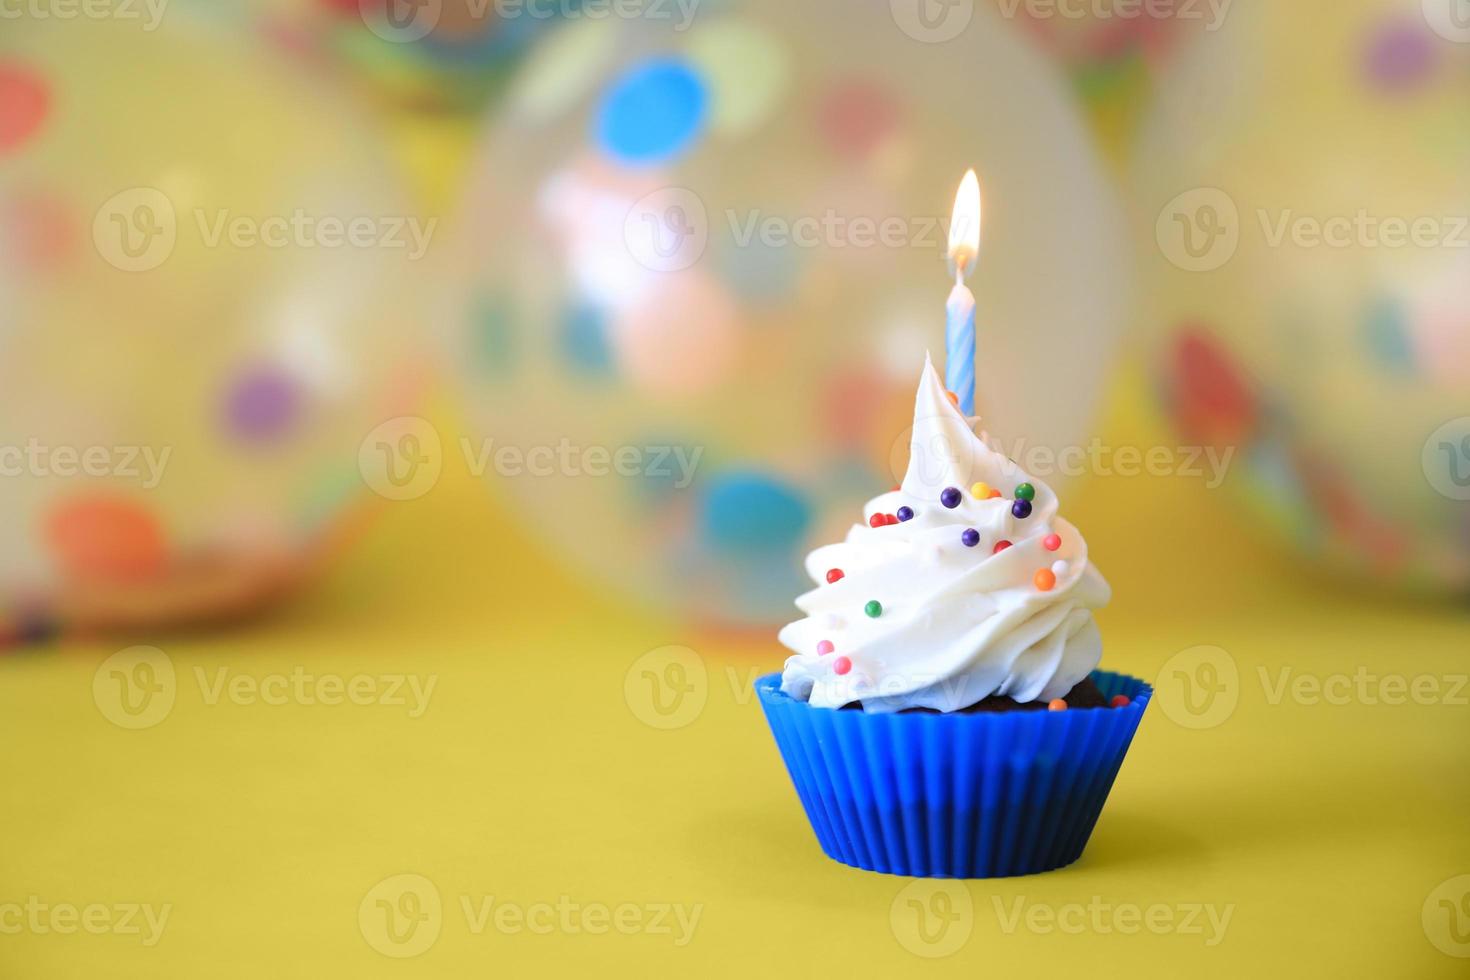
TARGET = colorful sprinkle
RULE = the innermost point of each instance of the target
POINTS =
(970, 537)
(834, 574)
(1021, 508)
(1056, 704)
(1119, 701)
(953, 398)
(1025, 491)
(992, 494)
(1000, 546)
(950, 497)
(1051, 542)
(874, 608)
(905, 513)
(1059, 568)
(841, 665)
(824, 647)
(980, 491)
(890, 518)
(876, 521)
(1045, 579)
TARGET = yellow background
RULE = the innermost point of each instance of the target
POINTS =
(533, 775)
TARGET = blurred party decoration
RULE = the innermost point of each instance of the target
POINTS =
(699, 268)
(1300, 183)
(198, 323)
(440, 54)
(1113, 51)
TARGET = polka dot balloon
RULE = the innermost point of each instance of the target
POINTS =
(188, 370)
(1310, 302)
(719, 252)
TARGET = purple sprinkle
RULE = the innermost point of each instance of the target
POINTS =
(905, 513)
(1021, 508)
(950, 497)
(970, 537)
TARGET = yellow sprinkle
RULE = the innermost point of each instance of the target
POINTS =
(980, 491)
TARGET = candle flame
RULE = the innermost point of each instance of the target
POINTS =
(964, 225)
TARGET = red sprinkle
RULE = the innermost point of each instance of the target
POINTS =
(833, 574)
(824, 647)
(1000, 546)
(1051, 542)
(1119, 701)
(877, 520)
(841, 665)
(890, 518)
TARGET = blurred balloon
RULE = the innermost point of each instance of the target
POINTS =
(1310, 291)
(699, 269)
(196, 324)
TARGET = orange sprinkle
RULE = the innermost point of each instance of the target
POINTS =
(1045, 579)
(1056, 704)
(953, 399)
(1119, 701)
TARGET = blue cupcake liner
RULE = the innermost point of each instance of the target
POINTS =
(983, 795)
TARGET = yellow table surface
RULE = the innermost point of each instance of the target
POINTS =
(1291, 836)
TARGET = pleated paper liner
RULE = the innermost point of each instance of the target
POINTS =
(983, 795)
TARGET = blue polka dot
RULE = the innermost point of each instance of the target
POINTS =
(584, 341)
(493, 349)
(1385, 336)
(652, 113)
(752, 512)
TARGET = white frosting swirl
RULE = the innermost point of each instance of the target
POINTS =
(958, 623)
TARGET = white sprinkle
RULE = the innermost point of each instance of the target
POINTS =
(1059, 567)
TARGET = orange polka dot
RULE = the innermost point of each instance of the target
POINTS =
(24, 102)
(1045, 579)
(106, 537)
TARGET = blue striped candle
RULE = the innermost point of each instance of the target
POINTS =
(959, 312)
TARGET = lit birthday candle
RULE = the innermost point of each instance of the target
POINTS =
(959, 312)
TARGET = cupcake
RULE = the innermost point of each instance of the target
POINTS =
(942, 713)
